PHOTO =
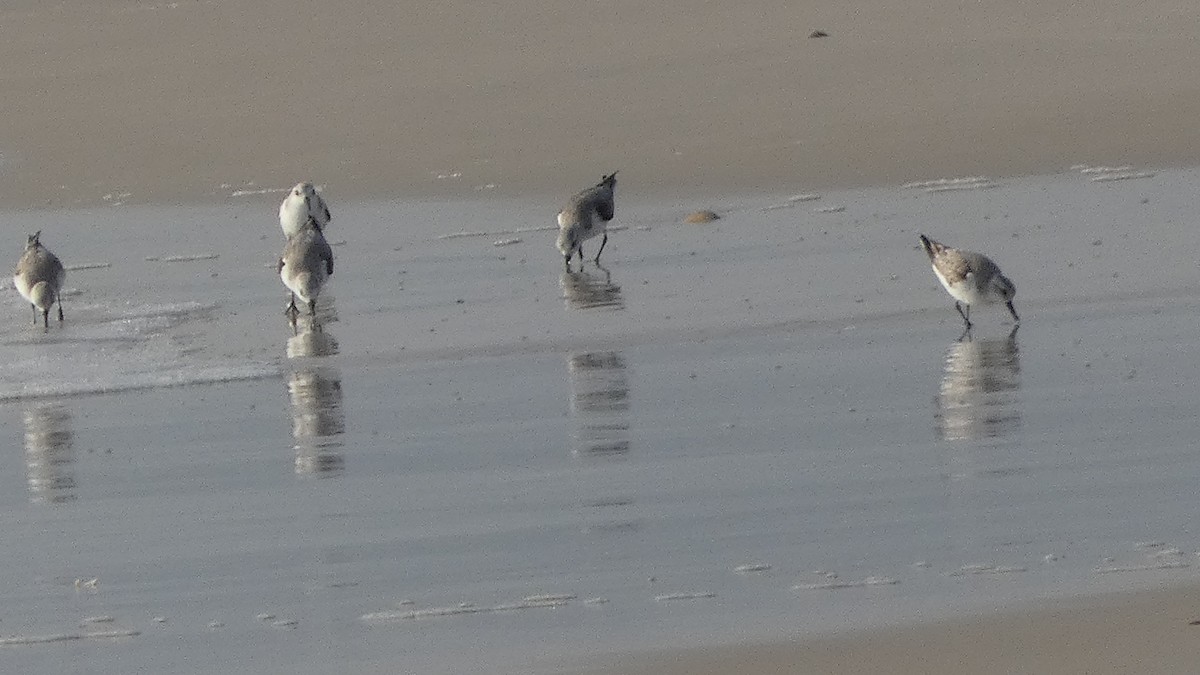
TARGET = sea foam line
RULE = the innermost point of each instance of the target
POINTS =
(263, 191)
(1105, 174)
(1132, 175)
(549, 597)
(836, 585)
(434, 612)
(18, 640)
(1142, 568)
(968, 570)
(103, 618)
(183, 258)
(965, 186)
(671, 597)
(184, 378)
(793, 201)
(948, 182)
(1085, 169)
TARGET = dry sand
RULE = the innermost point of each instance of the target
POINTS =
(1148, 633)
(194, 99)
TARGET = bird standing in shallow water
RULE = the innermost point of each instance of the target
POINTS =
(39, 279)
(585, 216)
(306, 263)
(970, 278)
(302, 203)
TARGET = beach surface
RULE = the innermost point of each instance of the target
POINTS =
(1147, 632)
(475, 460)
(758, 444)
(121, 100)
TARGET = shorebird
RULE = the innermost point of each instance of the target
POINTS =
(302, 202)
(306, 263)
(39, 278)
(578, 221)
(970, 278)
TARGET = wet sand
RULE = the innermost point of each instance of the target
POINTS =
(716, 440)
(159, 102)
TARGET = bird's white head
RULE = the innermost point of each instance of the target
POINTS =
(306, 193)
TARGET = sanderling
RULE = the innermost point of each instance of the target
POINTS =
(39, 278)
(302, 202)
(970, 278)
(577, 222)
(306, 263)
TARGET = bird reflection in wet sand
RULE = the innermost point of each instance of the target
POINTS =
(600, 403)
(586, 290)
(978, 393)
(315, 397)
(49, 454)
(312, 344)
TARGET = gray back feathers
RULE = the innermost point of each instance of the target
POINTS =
(955, 265)
(597, 199)
(38, 264)
(308, 250)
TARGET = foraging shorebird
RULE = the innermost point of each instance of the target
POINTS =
(306, 263)
(39, 279)
(578, 221)
(970, 278)
(302, 202)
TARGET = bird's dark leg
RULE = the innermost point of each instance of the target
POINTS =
(966, 334)
(581, 257)
(312, 312)
(965, 315)
(46, 320)
(292, 312)
(1013, 311)
(35, 313)
(602, 243)
(60, 314)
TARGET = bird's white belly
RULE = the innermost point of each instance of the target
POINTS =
(306, 285)
(966, 291)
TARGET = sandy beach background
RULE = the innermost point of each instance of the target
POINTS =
(192, 100)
